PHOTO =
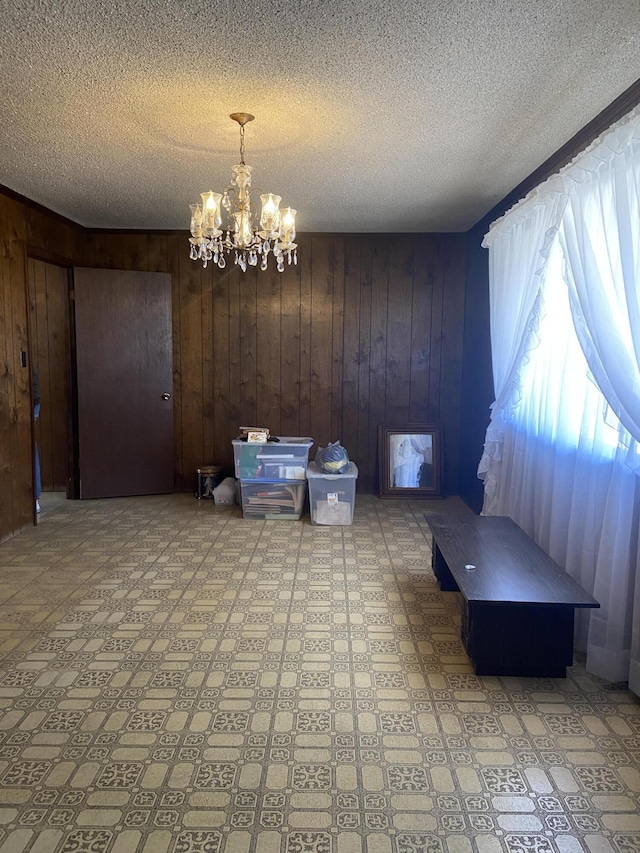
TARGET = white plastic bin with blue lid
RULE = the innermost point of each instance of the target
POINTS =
(332, 497)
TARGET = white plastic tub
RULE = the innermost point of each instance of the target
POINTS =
(332, 497)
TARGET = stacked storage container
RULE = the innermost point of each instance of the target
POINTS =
(272, 476)
(332, 496)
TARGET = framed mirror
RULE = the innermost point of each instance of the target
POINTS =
(409, 461)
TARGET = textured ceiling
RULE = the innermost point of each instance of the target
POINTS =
(416, 115)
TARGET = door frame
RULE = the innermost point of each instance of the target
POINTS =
(73, 464)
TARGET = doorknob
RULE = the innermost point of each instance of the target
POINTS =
(166, 396)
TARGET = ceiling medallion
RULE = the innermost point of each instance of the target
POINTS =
(249, 240)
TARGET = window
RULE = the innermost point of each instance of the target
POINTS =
(560, 401)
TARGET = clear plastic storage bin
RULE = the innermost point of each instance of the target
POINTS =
(332, 496)
(285, 459)
(275, 500)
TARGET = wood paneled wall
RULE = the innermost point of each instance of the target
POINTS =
(49, 332)
(23, 229)
(366, 330)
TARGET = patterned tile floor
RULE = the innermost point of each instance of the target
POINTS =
(176, 679)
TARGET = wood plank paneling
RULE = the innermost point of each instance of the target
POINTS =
(420, 321)
(399, 307)
(306, 266)
(321, 339)
(435, 336)
(40, 364)
(20, 411)
(49, 337)
(290, 353)
(58, 299)
(365, 330)
(269, 342)
(191, 414)
(8, 426)
(208, 442)
(350, 346)
(337, 336)
(450, 411)
(377, 359)
(361, 447)
(135, 254)
(354, 336)
(175, 249)
(25, 231)
(158, 253)
(225, 315)
(51, 236)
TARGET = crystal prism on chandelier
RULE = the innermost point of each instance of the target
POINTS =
(249, 240)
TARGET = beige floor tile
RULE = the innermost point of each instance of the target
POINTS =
(176, 678)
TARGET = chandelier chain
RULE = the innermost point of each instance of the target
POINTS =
(242, 145)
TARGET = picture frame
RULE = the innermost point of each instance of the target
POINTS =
(409, 461)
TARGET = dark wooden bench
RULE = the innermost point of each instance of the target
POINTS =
(517, 603)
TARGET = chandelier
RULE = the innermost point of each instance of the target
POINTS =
(242, 233)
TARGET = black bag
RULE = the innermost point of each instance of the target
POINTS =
(332, 459)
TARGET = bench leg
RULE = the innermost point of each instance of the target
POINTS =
(441, 571)
(512, 639)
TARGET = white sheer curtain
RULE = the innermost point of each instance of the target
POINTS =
(567, 482)
(600, 239)
(518, 245)
(560, 454)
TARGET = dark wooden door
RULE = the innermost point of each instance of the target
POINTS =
(125, 378)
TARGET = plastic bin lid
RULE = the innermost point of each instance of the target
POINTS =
(314, 471)
(282, 439)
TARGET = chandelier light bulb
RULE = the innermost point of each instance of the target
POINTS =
(270, 218)
(211, 219)
(288, 231)
(196, 219)
(251, 241)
